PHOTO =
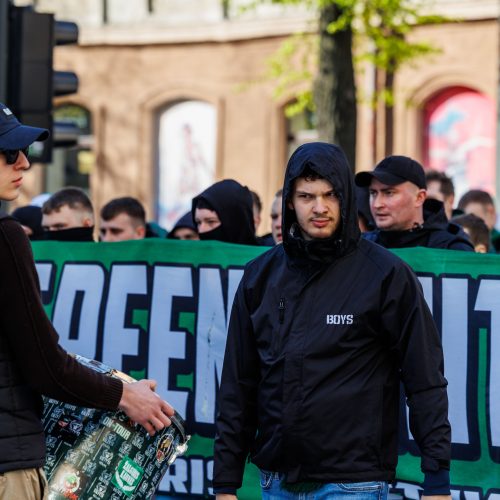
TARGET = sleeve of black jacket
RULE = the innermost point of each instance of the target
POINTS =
(415, 339)
(236, 421)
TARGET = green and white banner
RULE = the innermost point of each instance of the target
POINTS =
(159, 309)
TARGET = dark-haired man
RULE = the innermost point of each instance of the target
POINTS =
(440, 187)
(322, 330)
(68, 215)
(122, 219)
(402, 213)
(31, 361)
(481, 204)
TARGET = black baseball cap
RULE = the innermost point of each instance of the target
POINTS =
(15, 135)
(394, 170)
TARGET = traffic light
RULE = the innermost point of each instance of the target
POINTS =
(32, 81)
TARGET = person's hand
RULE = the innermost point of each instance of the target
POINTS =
(225, 496)
(436, 497)
(144, 406)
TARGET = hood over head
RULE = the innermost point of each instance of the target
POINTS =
(186, 221)
(330, 162)
(30, 216)
(233, 204)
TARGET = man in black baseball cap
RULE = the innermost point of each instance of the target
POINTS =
(402, 213)
(32, 362)
(15, 140)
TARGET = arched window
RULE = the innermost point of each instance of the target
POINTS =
(301, 128)
(187, 136)
(459, 125)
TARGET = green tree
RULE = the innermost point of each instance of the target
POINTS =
(378, 29)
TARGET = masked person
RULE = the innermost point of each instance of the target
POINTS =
(223, 212)
(322, 326)
(68, 215)
(31, 361)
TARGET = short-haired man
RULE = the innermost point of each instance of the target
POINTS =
(122, 219)
(68, 215)
(481, 204)
(31, 361)
(440, 187)
(402, 214)
(477, 230)
(322, 326)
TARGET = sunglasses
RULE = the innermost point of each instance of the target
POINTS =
(11, 155)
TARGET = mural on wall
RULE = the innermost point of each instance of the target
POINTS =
(460, 132)
(187, 154)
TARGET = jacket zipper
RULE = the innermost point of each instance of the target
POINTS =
(281, 309)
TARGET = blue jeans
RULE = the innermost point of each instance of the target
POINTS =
(270, 483)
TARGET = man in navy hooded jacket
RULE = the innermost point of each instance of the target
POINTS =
(322, 330)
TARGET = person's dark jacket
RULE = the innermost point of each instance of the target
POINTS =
(321, 332)
(31, 361)
(233, 204)
(435, 232)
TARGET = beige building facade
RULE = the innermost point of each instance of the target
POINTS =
(176, 93)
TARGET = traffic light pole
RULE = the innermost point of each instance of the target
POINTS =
(4, 47)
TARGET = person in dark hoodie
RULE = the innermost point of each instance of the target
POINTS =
(184, 229)
(68, 215)
(322, 326)
(32, 362)
(402, 214)
(223, 212)
(30, 218)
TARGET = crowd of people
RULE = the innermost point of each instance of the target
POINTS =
(324, 323)
(400, 205)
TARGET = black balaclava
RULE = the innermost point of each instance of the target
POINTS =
(233, 204)
(82, 234)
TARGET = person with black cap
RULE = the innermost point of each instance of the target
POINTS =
(323, 329)
(31, 361)
(223, 212)
(402, 213)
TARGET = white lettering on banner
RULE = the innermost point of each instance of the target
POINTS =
(454, 330)
(426, 282)
(176, 478)
(211, 333)
(165, 344)
(44, 271)
(488, 299)
(188, 475)
(234, 278)
(118, 340)
(77, 307)
(455, 338)
(197, 477)
(414, 492)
